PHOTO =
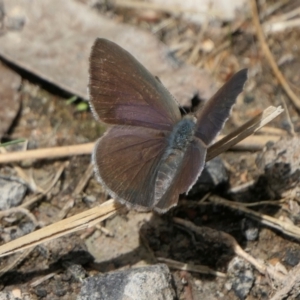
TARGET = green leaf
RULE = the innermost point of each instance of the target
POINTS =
(71, 100)
(82, 106)
(12, 142)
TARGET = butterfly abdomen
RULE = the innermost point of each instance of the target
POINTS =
(179, 140)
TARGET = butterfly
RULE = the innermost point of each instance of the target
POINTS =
(150, 154)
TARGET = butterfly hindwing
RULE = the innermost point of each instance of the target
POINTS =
(211, 119)
(126, 160)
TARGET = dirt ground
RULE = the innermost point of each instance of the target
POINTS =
(129, 239)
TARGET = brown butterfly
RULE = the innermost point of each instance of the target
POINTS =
(150, 154)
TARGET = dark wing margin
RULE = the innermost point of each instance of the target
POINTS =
(126, 159)
(123, 92)
(187, 174)
(211, 119)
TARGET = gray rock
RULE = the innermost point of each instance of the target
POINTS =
(241, 277)
(12, 192)
(213, 175)
(145, 283)
(250, 229)
(8, 296)
(280, 163)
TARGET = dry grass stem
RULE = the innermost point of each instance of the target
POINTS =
(229, 241)
(241, 187)
(39, 281)
(173, 264)
(75, 223)
(264, 202)
(243, 131)
(290, 286)
(272, 27)
(287, 16)
(282, 226)
(47, 153)
(254, 143)
(65, 210)
(19, 209)
(133, 4)
(273, 130)
(15, 262)
(20, 172)
(291, 125)
(84, 180)
(36, 198)
(219, 49)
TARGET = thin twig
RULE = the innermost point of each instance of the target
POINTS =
(222, 47)
(65, 210)
(284, 227)
(21, 210)
(41, 280)
(35, 198)
(84, 180)
(287, 16)
(272, 8)
(280, 25)
(173, 264)
(290, 286)
(75, 223)
(15, 262)
(243, 131)
(241, 187)
(21, 173)
(48, 153)
(196, 48)
(264, 202)
(267, 130)
(229, 241)
(253, 142)
(235, 137)
(291, 127)
(173, 9)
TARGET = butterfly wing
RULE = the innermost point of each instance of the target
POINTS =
(126, 159)
(211, 119)
(123, 92)
(187, 174)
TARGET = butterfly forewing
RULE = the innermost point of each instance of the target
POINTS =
(216, 111)
(123, 92)
(126, 159)
(187, 174)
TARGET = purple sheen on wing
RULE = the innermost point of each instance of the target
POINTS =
(119, 82)
(142, 116)
(126, 160)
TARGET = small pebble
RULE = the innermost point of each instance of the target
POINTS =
(145, 283)
(249, 229)
(241, 277)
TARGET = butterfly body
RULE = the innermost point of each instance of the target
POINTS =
(179, 141)
(182, 133)
(150, 154)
